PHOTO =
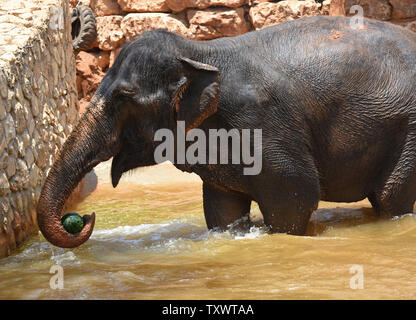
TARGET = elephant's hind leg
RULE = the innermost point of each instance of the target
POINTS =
(389, 206)
(398, 194)
(224, 209)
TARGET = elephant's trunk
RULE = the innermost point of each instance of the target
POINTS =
(91, 142)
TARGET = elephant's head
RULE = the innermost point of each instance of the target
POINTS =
(155, 81)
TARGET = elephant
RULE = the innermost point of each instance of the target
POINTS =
(336, 106)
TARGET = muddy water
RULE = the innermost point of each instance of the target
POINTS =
(151, 242)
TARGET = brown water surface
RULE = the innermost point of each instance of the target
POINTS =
(151, 242)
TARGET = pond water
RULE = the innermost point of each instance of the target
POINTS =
(151, 242)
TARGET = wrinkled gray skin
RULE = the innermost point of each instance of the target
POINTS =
(337, 109)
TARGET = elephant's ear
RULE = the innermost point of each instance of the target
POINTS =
(197, 93)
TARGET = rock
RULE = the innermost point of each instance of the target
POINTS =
(55, 93)
(29, 157)
(4, 207)
(31, 126)
(19, 202)
(27, 88)
(9, 128)
(55, 72)
(26, 139)
(3, 86)
(35, 106)
(403, 9)
(4, 160)
(19, 92)
(35, 176)
(217, 22)
(2, 109)
(267, 13)
(374, 9)
(62, 103)
(254, 2)
(2, 143)
(180, 5)
(137, 23)
(89, 76)
(68, 129)
(11, 167)
(326, 7)
(109, 33)
(105, 7)
(337, 8)
(42, 156)
(20, 121)
(143, 5)
(20, 180)
(73, 3)
(45, 135)
(4, 184)
(20, 149)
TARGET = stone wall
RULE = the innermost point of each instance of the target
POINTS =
(38, 106)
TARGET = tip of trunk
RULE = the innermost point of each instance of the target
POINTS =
(56, 234)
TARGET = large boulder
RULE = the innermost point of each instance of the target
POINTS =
(143, 5)
(91, 69)
(337, 8)
(217, 22)
(137, 23)
(270, 13)
(403, 8)
(180, 5)
(104, 7)
(110, 36)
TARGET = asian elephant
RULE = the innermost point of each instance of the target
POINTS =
(336, 105)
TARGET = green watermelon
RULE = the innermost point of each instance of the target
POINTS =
(72, 222)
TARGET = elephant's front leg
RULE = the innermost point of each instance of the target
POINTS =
(224, 208)
(288, 194)
(289, 209)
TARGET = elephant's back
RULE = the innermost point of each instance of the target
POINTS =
(323, 31)
(327, 56)
(326, 40)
